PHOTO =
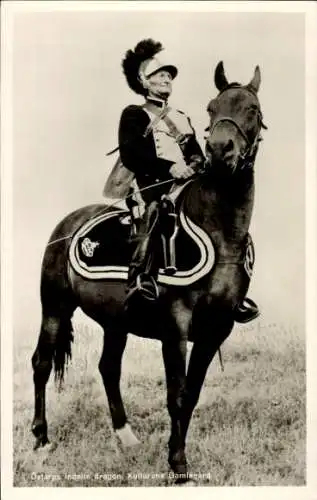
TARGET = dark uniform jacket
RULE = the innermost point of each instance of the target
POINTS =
(150, 158)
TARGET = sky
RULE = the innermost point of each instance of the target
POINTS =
(68, 92)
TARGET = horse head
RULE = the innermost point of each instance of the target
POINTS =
(235, 123)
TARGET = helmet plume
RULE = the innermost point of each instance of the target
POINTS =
(145, 49)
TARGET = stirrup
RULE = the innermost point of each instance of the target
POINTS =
(246, 311)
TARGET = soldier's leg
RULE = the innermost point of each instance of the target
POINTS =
(139, 276)
(168, 229)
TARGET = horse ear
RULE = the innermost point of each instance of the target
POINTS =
(221, 81)
(256, 80)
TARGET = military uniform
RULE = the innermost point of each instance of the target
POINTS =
(150, 157)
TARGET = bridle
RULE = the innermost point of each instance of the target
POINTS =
(245, 158)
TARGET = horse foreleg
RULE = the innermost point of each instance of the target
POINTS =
(42, 366)
(174, 355)
(110, 369)
(204, 349)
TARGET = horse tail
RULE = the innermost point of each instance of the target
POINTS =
(63, 352)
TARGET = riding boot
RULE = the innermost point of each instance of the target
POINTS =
(140, 277)
(247, 310)
(168, 228)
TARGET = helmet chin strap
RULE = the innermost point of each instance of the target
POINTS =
(163, 96)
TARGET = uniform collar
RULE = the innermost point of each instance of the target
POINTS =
(156, 101)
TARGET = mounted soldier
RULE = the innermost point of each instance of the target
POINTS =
(85, 263)
(157, 145)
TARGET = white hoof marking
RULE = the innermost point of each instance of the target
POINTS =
(44, 450)
(127, 437)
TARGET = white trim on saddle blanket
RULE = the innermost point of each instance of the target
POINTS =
(180, 278)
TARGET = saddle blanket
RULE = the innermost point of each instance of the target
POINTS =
(100, 250)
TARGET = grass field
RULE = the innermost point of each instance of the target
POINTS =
(247, 430)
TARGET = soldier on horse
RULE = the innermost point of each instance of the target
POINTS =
(200, 301)
(157, 145)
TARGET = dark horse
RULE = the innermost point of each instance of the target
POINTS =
(220, 201)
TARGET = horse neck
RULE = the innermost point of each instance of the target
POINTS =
(222, 209)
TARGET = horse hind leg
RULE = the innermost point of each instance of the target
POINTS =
(110, 370)
(53, 348)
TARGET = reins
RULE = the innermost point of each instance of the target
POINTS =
(107, 207)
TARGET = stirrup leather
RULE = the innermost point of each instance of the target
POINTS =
(146, 286)
(146, 292)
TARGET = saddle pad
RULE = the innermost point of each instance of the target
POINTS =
(100, 250)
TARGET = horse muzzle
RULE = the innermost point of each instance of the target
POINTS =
(225, 154)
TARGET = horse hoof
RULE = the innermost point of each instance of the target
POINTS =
(127, 437)
(178, 464)
(41, 448)
(41, 442)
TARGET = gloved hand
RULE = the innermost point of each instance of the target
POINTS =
(197, 164)
(181, 171)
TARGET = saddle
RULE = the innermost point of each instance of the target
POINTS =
(103, 246)
(101, 249)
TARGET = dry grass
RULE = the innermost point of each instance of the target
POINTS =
(248, 429)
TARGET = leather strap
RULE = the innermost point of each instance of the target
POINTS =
(162, 115)
(179, 137)
(159, 115)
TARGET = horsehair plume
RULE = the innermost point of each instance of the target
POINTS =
(146, 49)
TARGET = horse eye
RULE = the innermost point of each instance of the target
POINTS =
(254, 108)
(252, 112)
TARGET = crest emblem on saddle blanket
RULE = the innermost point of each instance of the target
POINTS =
(88, 247)
(94, 255)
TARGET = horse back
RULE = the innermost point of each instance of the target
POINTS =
(68, 226)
